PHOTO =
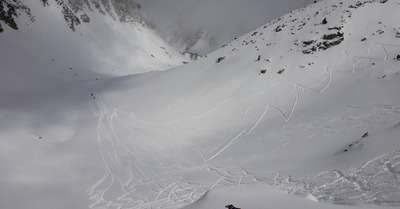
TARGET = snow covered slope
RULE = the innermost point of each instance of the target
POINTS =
(48, 64)
(78, 40)
(307, 104)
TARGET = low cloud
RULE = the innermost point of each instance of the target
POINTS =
(224, 18)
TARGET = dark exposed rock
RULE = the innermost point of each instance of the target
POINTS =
(307, 43)
(328, 44)
(108, 8)
(324, 21)
(45, 2)
(357, 5)
(70, 17)
(10, 10)
(79, 5)
(327, 41)
(7, 13)
(397, 34)
(332, 36)
(220, 59)
(121, 10)
(365, 135)
(335, 28)
(98, 7)
(278, 28)
(85, 18)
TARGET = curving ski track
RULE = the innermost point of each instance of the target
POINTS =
(143, 172)
(376, 182)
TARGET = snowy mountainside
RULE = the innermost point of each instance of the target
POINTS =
(49, 65)
(74, 11)
(80, 40)
(307, 104)
(47, 49)
(309, 92)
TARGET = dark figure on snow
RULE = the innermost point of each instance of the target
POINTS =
(231, 207)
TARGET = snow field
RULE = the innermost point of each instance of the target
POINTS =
(206, 134)
(298, 122)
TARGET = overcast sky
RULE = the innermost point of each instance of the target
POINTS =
(228, 18)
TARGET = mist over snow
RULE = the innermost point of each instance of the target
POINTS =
(205, 25)
(97, 111)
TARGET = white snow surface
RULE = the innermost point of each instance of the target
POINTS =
(315, 123)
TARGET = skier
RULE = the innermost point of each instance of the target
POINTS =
(231, 207)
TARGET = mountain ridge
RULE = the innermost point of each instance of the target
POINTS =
(74, 11)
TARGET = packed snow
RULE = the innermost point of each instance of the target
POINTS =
(304, 112)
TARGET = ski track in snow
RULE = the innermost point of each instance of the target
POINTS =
(356, 59)
(227, 145)
(145, 174)
(156, 175)
(376, 182)
(355, 63)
